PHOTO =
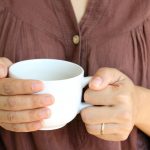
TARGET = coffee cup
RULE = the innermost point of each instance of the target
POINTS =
(62, 79)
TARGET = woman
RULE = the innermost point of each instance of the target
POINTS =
(110, 39)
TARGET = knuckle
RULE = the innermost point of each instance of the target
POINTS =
(36, 101)
(22, 85)
(11, 117)
(122, 99)
(126, 116)
(26, 86)
(31, 115)
(7, 89)
(11, 102)
(86, 96)
(123, 115)
(32, 101)
(34, 115)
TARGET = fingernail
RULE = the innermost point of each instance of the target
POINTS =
(96, 82)
(45, 113)
(36, 86)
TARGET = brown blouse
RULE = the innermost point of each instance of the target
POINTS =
(112, 33)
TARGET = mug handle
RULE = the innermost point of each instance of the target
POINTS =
(84, 83)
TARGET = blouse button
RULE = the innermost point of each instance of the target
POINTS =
(76, 39)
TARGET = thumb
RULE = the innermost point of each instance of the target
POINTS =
(105, 77)
(4, 65)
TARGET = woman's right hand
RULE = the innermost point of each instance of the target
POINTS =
(20, 109)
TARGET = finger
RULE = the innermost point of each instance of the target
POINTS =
(103, 114)
(103, 97)
(23, 127)
(105, 77)
(111, 132)
(109, 129)
(113, 137)
(25, 102)
(9, 86)
(108, 96)
(24, 116)
(4, 65)
(5, 61)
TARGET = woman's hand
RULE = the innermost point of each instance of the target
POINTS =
(20, 109)
(115, 108)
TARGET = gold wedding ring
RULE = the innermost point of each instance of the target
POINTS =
(102, 128)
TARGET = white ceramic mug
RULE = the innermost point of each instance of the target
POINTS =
(62, 79)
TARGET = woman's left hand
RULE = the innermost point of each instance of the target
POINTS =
(114, 99)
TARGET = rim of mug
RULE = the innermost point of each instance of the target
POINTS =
(11, 74)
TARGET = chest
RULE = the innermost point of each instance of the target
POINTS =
(79, 7)
(49, 34)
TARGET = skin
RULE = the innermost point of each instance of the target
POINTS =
(119, 104)
(79, 8)
(20, 110)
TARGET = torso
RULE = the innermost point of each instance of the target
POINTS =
(113, 33)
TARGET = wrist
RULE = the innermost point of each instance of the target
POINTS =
(141, 103)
